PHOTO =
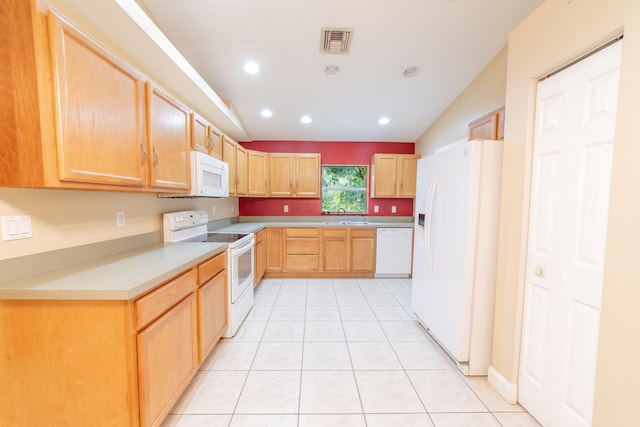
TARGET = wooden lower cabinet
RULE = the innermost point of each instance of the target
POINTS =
(321, 252)
(335, 250)
(260, 258)
(275, 250)
(167, 360)
(363, 250)
(110, 363)
(302, 249)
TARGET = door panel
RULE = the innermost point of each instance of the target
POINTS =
(573, 146)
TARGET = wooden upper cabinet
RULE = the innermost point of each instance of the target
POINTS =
(307, 175)
(237, 158)
(215, 142)
(257, 173)
(205, 137)
(281, 174)
(100, 112)
(294, 175)
(384, 169)
(200, 134)
(407, 171)
(229, 155)
(169, 140)
(393, 175)
(489, 126)
(242, 163)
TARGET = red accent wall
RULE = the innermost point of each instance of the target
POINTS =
(331, 153)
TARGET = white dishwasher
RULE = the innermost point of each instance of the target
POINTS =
(393, 252)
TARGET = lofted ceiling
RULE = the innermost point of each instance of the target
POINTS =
(450, 41)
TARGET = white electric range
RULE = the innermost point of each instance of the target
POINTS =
(191, 226)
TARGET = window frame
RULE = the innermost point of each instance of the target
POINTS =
(367, 167)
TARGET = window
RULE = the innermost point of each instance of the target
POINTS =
(344, 187)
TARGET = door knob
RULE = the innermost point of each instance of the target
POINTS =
(539, 271)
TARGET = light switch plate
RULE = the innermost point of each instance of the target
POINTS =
(16, 227)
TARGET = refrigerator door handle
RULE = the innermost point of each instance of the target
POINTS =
(429, 235)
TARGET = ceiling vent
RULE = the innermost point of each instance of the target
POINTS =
(335, 40)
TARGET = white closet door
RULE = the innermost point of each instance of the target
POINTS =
(574, 135)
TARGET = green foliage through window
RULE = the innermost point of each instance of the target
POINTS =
(344, 187)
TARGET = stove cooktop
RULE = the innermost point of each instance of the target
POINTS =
(224, 237)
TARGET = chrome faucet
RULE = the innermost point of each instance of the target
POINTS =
(344, 215)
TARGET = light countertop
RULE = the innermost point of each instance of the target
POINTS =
(120, 277)
(253, 227)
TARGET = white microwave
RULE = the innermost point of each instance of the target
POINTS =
(209, 177)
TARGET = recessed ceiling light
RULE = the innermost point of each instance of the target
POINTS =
(251, 68)
(411, 71)
(383, 121)
(305, 119)
(266, 113)
(332, 70)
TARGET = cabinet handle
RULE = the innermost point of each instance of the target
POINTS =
(143, 152)
(155, 156)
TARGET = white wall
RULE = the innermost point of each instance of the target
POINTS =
(483, 95)
(555, 34)
(67, 218)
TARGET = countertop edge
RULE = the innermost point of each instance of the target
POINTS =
(48, 286)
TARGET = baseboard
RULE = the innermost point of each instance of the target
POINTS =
(507, 390)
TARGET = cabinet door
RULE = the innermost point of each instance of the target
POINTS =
(229, 156)
(280, 174)
(215, 142)
(200, 139)
(335, 250)
(212, 313)
(242, 161)
(259, 262)
(169, 141)
(363, 250)
(100, 113)
(385, 170)
(275, 250)
(407, 167)
(167, 360)
(257, 173)
(308, 175)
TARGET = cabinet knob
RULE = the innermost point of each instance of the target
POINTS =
(539, 271)
(155, 156)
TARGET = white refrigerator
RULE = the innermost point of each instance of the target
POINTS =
(455, 249)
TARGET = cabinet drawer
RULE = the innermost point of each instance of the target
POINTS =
(363, 232)
(303, 263)
(210, 268)
(303, 232)
(157, 302)
(334, 233)
(303, 246)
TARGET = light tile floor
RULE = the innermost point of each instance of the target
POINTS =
(337, 353)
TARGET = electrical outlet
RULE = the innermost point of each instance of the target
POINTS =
(286, 208)
(213, 210)
(376, 209)
(393, 209)
(120, 219)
